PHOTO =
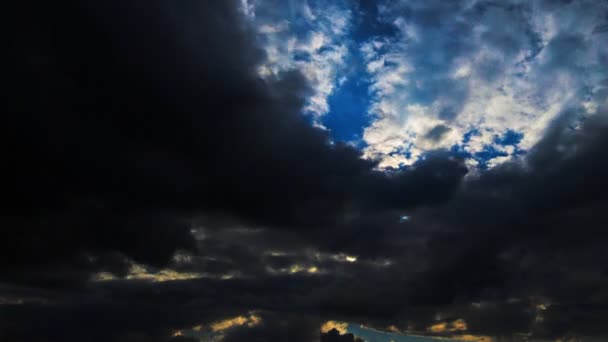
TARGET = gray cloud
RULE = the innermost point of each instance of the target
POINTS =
(153, 143)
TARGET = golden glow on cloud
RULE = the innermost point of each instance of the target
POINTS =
(351, 258)
(458, 325)
(300, 268)
(455, 327)
(104, 276)
(250, 321)
(472, 338)
(329, 325)
(139, 272)
(464, 338)
(295, 268)
(342, 257)
(393, 328)
(449, 332)
(228, 323)
(254, 320)
(438, 328)
(540, 309)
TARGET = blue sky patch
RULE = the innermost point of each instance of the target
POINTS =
(348, 105)
(509, 138)
(383, 74)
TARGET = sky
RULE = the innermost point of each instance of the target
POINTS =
(305, 170)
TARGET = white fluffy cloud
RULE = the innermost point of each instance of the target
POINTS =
(489, 69)
(312, 41)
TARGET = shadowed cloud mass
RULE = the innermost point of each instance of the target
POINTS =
(171, 176)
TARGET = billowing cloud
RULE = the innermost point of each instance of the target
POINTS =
(305, 36)
(250, 321)
(167, 181)
(341, 327)
(485, 79)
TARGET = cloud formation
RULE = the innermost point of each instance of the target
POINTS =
(308, 37)
(481, 71)
(162, 186)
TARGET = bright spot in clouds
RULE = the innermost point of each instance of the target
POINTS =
(140, 272)
(250, 321)
(341, 327)
(479, 91)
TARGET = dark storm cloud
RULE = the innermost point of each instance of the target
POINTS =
(334, 336)
(132, 121)
(141, 129)
(134, 118)
(529, 229)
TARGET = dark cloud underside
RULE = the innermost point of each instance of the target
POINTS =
(155, 182)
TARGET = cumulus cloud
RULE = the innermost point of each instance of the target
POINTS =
(312, 40)
(478, 66)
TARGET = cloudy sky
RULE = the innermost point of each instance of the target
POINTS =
(305, 170)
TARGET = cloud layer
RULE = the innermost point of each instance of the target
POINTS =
(166, 180)
(468, 75)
